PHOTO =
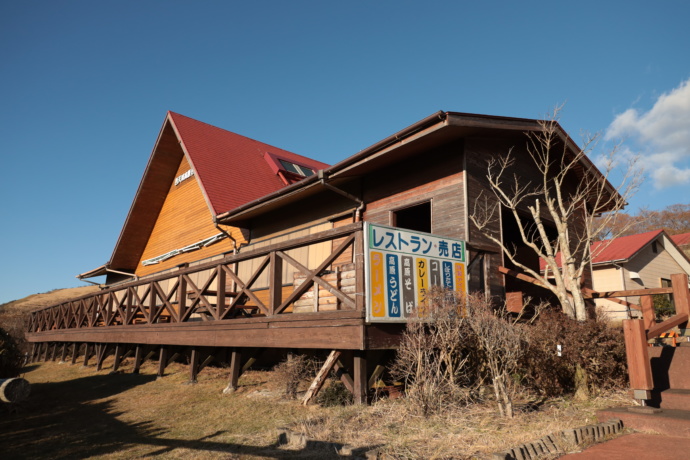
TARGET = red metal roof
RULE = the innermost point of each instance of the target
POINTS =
(681, 239)
(622, 248)
(231, 169)
(618, 249)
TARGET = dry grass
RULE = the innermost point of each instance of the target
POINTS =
(36, 301)
(76, 412)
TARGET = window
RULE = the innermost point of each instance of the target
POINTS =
(655, 249)
(297, 169)
(417, 217)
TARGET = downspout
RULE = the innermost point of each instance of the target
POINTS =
(235, 250)
(358, 210)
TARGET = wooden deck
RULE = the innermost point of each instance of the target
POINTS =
(212, 305)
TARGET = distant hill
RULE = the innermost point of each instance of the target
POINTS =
(36, 301)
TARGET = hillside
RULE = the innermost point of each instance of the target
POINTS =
(45, 299)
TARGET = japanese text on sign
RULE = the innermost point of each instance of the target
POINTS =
(403, 265)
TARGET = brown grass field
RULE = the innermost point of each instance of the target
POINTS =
(76, 412)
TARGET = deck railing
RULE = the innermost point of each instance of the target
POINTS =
(639, 331)
(219, 290)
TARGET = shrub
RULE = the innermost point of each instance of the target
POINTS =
(335, 394)
(10, 356)
(433, 354)
(294, 370)
(591, 346)
(453, 346)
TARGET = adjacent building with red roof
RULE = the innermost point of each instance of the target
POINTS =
(645, 260)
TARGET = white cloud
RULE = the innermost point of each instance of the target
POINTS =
(662, 135)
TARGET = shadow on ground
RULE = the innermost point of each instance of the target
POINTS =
(70, 420)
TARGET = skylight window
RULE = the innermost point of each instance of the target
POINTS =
(296, 169)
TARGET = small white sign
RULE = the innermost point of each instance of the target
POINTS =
(183, 177)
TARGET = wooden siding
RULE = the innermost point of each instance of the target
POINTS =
(477, 153)
(184, 219)
(436, 177)
(652, 267)
(309, 256)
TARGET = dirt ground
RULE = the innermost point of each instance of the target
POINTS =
(77, 412)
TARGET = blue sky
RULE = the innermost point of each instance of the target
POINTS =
(85, 87)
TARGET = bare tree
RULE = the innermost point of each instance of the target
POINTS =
(569, 194)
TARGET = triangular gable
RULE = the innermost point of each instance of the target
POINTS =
(230, 170)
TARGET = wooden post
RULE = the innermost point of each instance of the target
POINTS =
(647, 304)
(118, 358)
(681, 295)
(32, 358)
(63, 356)
(162, 360)
(53, 353)
(87, 353)
(182, 294)
(360, 377)
(75, 351)
(639, 368)
(138, 359)
(102, 352)
(359, 270)
(275, 283)
(193, 365)
(235, 370)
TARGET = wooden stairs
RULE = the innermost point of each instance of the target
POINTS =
(668, 412)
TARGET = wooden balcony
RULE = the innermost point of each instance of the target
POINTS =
(306, 292)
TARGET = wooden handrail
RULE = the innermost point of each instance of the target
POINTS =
(660, 328)
(122, 305)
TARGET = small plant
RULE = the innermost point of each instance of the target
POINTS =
(663, 307)
(293, 371)
(336, 394)
(501, 343)
(433, 354)
(10, 356)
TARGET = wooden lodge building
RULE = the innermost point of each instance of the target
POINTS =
(232, 246)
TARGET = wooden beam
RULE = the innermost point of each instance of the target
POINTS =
(344, 376)
(647, 311)
(63, 356)
(522, 277)
(162, 360)
(87, 353)
(630, 293)
(102, 353)
(360, 377)
(660, 328)
(639, 369)
(118, 357)
(321, 377)
(378, 371)
(193, 365)
(138, 358)
(333, 330)
(235, 370)
(681, 294)
(275, 283)
(589, 292)
(75, 352)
